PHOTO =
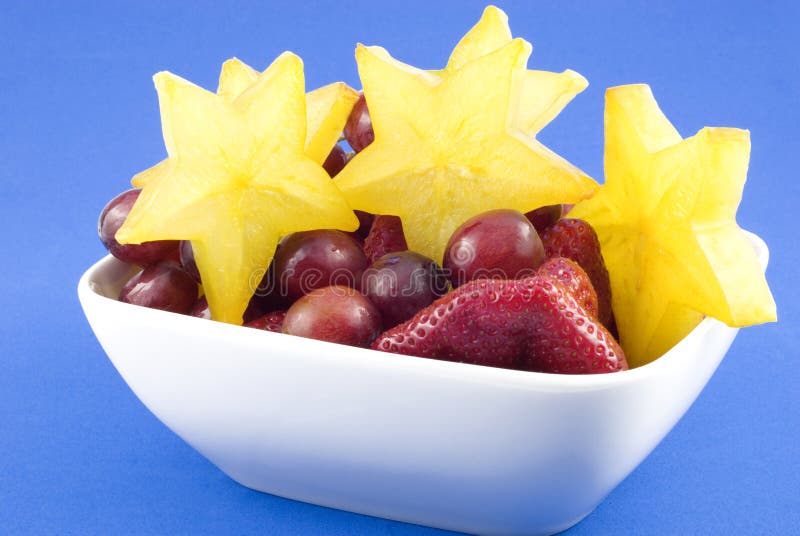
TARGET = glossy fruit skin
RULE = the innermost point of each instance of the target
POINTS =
(569, 340)
(255, 309)
(267, 293)
(571, 275)
(309, 260)
(200, 309)
(498, 244)
(111, 219)
(385, 236)
(186, 256)
(335, 161)
(531, 324)
(365, 220)
(576, 240)
(544, 217)
(272, 321)
(337, 314)
(358, 129)
(164, 286)
(402, 283)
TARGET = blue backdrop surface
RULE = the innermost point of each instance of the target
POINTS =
(79, 454)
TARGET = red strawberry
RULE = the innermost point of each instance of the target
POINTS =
(572, 276)
(385, 236)
(269, 322)
(532, 323)
(576, 240)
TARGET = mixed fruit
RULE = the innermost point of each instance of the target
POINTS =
(451, 232)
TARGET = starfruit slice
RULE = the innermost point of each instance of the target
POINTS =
(237, 179)
(327, 109)
(445, 145)
(539, 95)
(666, 219)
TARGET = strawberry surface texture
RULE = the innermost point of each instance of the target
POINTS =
(385, 236)
(576, 240)
(531, 324)
(572, 276)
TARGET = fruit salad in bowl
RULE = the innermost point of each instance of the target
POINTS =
(440, 321)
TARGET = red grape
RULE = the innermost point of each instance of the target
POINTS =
(111, 219)
(335, 161)
(187, 259)
(164, 286)
(544, 217)
(402, 283)
(269, 322)
(335, 314)
(358, 129)
(254, 310)
(498, 244)
(314, 259)
(365, 220)
(200, 309)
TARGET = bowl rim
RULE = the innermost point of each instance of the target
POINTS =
(89, 292)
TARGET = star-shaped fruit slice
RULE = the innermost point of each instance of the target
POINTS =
(666, 219)
(327, 109)
(445, 149)
(539, 95)
(238, 178)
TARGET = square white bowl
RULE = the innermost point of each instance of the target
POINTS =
(450, 445)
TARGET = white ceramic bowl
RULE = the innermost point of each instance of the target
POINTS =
(449, 445)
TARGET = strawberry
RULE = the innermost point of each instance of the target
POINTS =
(385, 236)
(572, 276)
(533, 324)
(576, 240)
(269, 322)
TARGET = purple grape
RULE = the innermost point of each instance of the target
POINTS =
(164, 286)
(314, 259)
(269, 322)
(111, 219)
(201, 309)
(335, 314)
(544, 217)
(365, 220)
(186, 255)
(335, 161)
(402, 283)
(498, 244)
(267, 295)
(358, 129)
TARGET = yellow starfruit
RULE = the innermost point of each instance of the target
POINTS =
(539, 96)
(448, 144)
(666, 219)
(237, 178)
(327, 110)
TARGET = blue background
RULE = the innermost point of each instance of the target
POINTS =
(79, 116)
